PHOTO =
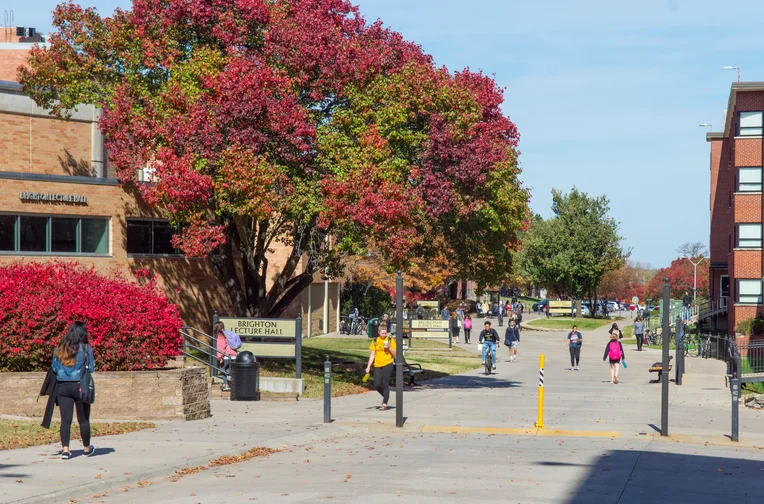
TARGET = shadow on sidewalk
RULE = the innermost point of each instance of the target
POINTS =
(468, 382)
(4, 467)
(631, 477)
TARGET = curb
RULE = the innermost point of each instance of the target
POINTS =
(115, 484)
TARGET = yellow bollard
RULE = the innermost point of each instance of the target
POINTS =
(540, 422)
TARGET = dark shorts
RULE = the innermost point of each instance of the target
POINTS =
(614, 361)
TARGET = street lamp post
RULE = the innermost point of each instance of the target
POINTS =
(733, 68)
(695, 276)
(706, 125)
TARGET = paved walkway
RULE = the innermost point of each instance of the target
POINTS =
(470, 406)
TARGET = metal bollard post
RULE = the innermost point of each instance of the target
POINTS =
(540, 422)
(678, 368)
(327, 390)
(450, 337)
(735, 388)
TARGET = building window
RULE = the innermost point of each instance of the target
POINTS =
(749, 179)
(748, 236)
(749, 291)
(749, 124)
(23, 234)
(150, 237)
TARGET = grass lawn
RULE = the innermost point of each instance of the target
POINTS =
(753, 388)
(350, 357)
(24, 433)
(565, 323)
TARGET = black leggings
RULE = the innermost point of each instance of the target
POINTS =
(640, 341)
(68, 401)
(467, 335)
(382, 376)
(575, 355)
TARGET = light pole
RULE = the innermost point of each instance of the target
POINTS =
(695, 275)
(706, 125)
(733, 68)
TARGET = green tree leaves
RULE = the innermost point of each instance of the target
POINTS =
(571, 252)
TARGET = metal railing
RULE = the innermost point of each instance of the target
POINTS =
(751, 361)
(199, 350)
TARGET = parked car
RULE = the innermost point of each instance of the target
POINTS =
(541, 305)
(585, 310)
(612, 306)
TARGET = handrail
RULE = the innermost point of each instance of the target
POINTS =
(199, 345)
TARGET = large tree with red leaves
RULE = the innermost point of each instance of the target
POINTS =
(291, 122)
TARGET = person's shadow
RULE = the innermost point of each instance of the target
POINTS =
(98, 452)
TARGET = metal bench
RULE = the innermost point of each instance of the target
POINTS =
(410, 370)
(658, 367)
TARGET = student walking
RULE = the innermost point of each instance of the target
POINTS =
(638, 330)
(70, 358)
(500, 316)
(574, 341)
(613, 352)
(382, 354)
(467, 328)
(454, 324)
(614, 330)
(512, 340)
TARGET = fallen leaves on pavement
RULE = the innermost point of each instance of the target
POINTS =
(23, 433)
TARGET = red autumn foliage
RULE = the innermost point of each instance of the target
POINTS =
(131, 326)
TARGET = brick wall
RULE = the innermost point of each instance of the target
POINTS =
(177, 394)
(10, 60)
(42, 145)
(189, 282)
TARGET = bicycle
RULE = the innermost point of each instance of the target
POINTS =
(359, 325)
(653, 338)
(704, 349)
(488, 358)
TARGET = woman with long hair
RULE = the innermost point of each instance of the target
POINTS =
(69, 360)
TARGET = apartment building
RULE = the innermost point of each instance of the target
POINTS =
(737, 156)
(59, 200)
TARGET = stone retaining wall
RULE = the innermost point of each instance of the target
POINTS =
(170, 394)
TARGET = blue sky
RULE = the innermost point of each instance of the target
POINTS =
(607, 95)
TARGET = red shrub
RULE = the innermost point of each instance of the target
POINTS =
(131, 326)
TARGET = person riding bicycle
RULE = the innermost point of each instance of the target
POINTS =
(489, 337)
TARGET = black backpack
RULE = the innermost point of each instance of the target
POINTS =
(87, 385)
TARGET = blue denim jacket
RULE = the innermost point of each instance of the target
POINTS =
(72, 373)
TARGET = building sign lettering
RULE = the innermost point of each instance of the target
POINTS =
(54, 198)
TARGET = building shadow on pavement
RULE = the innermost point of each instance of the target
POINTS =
(637, 477)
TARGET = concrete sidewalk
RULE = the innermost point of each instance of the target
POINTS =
(578, 403)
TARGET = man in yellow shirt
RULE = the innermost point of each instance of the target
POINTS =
(382, 355)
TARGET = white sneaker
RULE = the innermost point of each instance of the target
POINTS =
(494, 366)
(578, 368)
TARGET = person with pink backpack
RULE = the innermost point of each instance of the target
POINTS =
(614, 352)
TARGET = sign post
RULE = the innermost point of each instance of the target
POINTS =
(399, 351)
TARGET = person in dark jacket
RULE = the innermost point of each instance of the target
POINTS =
(455, 329)
(69, 360)
(490, 338)
(686, 306)
(512, 340)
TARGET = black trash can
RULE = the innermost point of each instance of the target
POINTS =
(245, 378)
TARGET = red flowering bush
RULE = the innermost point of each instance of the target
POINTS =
(131, 326)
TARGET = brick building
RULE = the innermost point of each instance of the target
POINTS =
(59, 200)
(737, 157)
